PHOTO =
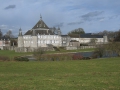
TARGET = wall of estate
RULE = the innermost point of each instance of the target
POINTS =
(80, 47)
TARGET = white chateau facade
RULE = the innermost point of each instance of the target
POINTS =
(40, 36)
(43, 36)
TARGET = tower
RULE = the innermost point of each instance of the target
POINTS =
(105, 39)
(20, 39)
(59, 31)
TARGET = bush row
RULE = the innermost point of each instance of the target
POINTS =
(21, 58)
(4, 58)
(60, 57)
(54, 57)
(17, 58)
(48, 57)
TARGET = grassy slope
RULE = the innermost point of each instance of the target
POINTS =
(100, 74)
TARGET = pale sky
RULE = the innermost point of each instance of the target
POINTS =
(91, 15)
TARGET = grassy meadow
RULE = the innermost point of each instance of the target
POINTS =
(13, 53)
(97, 74)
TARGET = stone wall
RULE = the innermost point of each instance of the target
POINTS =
(71, 48)
(85, 47)
(80, 47)
(9, 47)
(30, 49)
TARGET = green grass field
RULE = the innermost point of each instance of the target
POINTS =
(97, 74)
(12, 54)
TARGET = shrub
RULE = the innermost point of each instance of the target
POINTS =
(86, 58)
(77, 56)
(4, 58)
(19, 58)
(38, 53)
(94, 55)
(56, 49)
(55, 57)
(99, 52)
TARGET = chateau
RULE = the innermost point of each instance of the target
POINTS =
(40, 36)
(43, 36)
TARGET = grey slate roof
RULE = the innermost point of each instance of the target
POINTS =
(40, 24)
(39, 28)
(89, 35)
(41, 32)
(4, 38)
(64, 35)
(74, 35)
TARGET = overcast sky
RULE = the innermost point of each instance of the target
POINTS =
(91, 15)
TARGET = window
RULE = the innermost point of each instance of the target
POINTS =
(44, 41)
(41, 41)
(44, 36)
(64, 41)
(41, 36)
(52, 41)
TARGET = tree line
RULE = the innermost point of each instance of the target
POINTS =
(112, 35)
(112, 47)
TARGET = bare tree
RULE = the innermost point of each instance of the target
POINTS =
(110, 34)
(9, 34)
(1, 34)
(117, 37)
(93, 41)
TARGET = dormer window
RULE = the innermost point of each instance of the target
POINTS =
(37, 25)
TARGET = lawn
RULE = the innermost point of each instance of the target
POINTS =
(97, 74)
(12, 54)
